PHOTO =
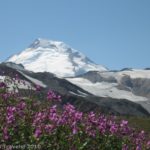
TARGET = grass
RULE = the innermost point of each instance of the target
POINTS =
(140, 123)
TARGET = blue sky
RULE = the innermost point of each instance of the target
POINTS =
(114, 33)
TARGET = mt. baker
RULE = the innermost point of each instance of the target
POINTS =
(125, 91)
(55, 57)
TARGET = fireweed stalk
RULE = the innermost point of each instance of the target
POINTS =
(26, 120)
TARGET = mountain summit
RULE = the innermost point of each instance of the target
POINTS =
(55, 57)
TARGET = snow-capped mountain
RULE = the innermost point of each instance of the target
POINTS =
(55, 57)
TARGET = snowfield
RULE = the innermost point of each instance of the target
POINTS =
(105, 89)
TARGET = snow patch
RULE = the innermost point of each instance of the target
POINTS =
(15, 84)
(81, 95)
(2, 78)
(35, 81)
